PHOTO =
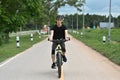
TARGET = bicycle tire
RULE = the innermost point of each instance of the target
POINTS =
(59, 63)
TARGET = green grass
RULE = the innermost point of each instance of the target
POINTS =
(9, 49)
(93, 38)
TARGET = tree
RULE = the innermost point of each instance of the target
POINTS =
(51, 6)
(15, 13)
(118, 21)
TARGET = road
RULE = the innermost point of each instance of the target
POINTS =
(35, 64)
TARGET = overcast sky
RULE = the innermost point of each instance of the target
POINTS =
(95, 7)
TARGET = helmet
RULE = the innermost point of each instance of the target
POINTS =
(59, 17)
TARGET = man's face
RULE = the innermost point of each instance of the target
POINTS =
(59, 21)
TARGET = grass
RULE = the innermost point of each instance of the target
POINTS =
(9, 49)
(93, 38)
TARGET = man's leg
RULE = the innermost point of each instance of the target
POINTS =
(54, 45)
(63, 50)
(53, 58)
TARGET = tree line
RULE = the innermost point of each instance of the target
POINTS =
(28, 14)
(89, 20)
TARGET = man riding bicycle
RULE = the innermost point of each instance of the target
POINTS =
(58, 31)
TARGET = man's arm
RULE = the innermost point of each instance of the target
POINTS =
(66, 34)
(51, 35)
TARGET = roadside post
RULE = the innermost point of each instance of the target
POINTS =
(17, 41)
(81, 34)
(104, 39)
(31, 37)
(39, 35)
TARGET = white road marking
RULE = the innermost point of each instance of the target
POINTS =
(9, 60)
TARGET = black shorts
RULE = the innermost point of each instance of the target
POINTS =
(54, 45)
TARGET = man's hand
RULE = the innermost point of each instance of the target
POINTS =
(49, 39)
(67, 38)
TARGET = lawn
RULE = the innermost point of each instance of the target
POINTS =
(10, 49)
(93, 38)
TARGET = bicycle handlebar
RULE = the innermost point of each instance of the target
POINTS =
(58, 40)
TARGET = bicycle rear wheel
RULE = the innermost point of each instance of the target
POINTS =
(59, 63)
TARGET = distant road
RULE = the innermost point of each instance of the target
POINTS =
(83, 64)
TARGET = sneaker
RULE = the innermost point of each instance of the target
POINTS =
(53, 66)
(64, 58)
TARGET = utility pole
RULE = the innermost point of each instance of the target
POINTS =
(77, 20)
(109, 22)
(83, 19)
(72, 21)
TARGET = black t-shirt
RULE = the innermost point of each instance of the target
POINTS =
(59, 32)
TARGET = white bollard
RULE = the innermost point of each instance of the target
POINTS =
(31, 37)
(39, 35)
(81, 34)
(104, 39)
(73, 31)
(17, 41)
(77, 32)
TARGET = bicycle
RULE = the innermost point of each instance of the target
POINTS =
(59, 55)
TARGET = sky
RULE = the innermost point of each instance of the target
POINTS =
(100, 7)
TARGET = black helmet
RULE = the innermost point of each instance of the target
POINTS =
(59, 17)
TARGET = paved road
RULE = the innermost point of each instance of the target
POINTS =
(83, 64)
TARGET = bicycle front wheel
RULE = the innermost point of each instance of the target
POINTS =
(59, 63)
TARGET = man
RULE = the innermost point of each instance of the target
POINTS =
(59, 31)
